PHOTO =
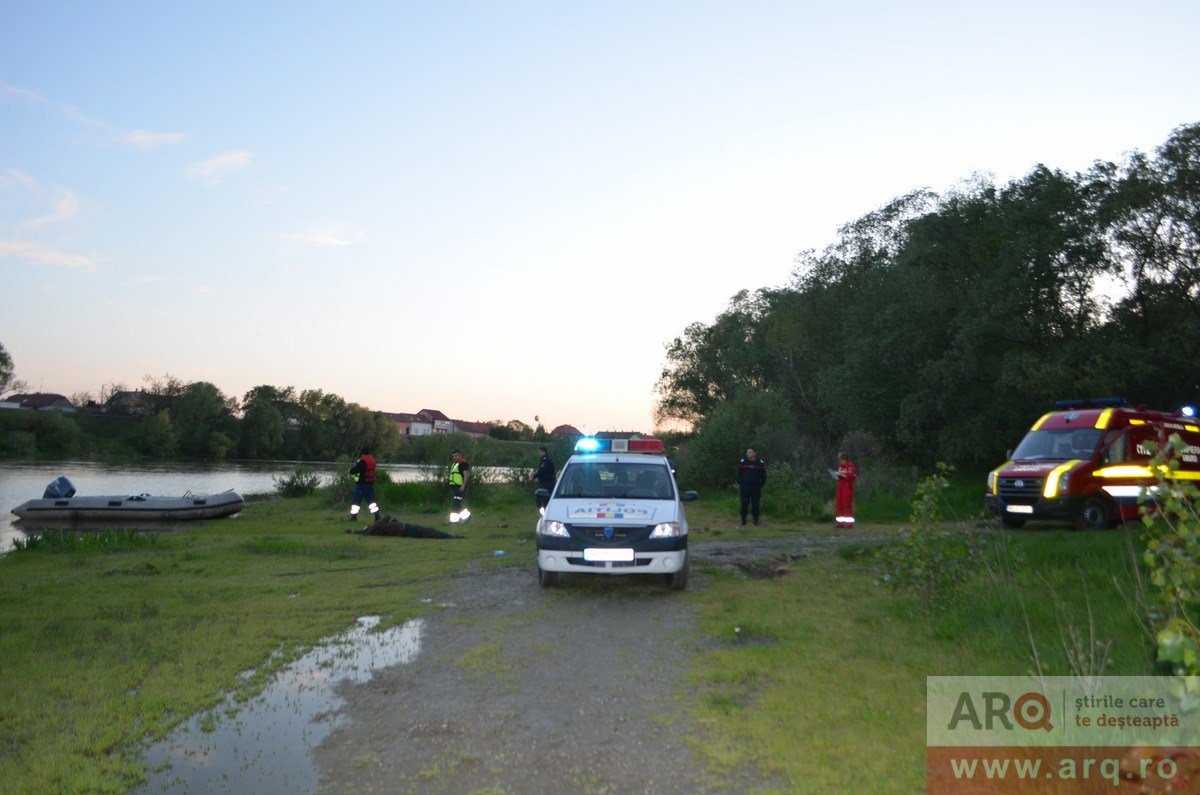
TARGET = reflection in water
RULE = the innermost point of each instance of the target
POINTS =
(265, 746)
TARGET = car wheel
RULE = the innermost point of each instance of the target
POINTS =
(1096, 515)
(677, 581)
(546, 578)
(1014, 522)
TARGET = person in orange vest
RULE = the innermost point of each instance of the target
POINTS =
(847, 473)
(363, 473)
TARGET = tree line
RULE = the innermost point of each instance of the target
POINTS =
(170, 418)
(939, 327)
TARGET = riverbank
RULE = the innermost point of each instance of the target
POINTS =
(106, 647)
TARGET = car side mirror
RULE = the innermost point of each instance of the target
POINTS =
(542, 493)
(688, 496)
(1008, 455)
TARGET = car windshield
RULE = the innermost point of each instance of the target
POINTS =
(601, 479)
(1059, 444)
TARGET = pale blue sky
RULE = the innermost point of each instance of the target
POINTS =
(502, 210)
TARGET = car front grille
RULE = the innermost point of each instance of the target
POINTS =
(1021, 491)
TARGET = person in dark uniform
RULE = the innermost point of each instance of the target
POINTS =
(545, 475)
(363, 473)
(751, 475)
(460, 474)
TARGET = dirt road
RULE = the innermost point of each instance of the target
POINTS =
(577, 688)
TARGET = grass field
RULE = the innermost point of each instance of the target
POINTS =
(108, 642)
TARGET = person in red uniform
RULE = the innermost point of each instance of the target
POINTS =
(363, 473)
(847, 473)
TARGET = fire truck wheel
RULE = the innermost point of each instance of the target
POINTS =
(1096, 515)
(1014, 522)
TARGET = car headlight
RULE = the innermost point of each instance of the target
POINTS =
(666, 530)
(553, 529)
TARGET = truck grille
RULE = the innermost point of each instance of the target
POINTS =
(1021, 491)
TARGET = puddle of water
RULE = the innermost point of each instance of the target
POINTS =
(265, 746)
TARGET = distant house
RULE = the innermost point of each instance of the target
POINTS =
(566, 430)
(475, 429)
(440, 422)
(133, 403)
(410, 424)
(42, 401)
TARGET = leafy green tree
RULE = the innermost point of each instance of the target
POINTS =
(8, 379)
(757, 419)
(156, 436)
(261, 432)
(940, 325)
(200, 410)
(56, 433)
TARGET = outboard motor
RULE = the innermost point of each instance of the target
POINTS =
(60, 488)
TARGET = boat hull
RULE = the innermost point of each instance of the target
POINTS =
(116, 508)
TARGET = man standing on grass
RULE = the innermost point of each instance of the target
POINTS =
(545, 478)
(847, 474)
(460, 473)
(363, 473)
(751, 475)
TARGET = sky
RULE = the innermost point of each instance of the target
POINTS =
(503, 210)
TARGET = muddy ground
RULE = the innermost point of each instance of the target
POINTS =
(575, 688)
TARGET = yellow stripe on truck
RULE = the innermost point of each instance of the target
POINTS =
(1131, 471)
(1051, 489)
(1102, 420)
(1038, 424)
(996, 476)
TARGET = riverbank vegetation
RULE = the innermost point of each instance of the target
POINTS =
(111, 642)
(939, 327)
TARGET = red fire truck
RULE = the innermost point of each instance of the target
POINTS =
(1087, 463)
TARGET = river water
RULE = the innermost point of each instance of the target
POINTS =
(26, 481)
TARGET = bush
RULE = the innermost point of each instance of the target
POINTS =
(20, 444)
(301, 483)
(927, 560)
(1171, 518)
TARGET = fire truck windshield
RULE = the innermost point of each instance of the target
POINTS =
(1061, 443)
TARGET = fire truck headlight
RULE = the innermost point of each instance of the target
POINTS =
(991, 481)
(665, 530)
(1064, 483)
(552, 529)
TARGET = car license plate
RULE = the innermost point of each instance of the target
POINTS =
(594, 554)
(1019, 508)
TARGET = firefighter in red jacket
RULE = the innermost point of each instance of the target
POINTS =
(847, 473)
(363, 473)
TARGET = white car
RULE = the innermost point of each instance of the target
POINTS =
(616, 509)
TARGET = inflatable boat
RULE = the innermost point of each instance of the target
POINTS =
(138, 506)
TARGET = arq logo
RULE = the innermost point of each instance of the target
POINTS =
(1030, 711)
